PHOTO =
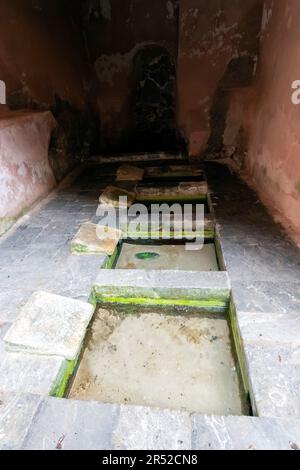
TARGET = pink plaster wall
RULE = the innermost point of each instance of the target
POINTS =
(211, 34)
(273, 159)
(41, 53)
(25, 173)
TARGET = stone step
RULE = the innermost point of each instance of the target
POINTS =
(208, 289)
(32, 423)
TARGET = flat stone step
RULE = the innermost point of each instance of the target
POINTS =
(50, 325)
(136, 157)
(113, 196)
(22, 372)
(182, 191)
(95, 239)
(209, 289)
(30, 422)
(130, 173)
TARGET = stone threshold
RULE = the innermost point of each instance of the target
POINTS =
(31, 422)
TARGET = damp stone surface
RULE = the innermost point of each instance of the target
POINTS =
(174, 257)
(160, 360)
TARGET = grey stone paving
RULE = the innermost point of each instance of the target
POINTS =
(264, 271)
(263, 267)
(30, 422)
(210, 286)
(16, 414)
(36, 255)
(244, 433)
(75, 425)
(29, 372)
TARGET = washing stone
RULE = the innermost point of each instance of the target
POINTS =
(130, 173)
(186, 190)
(95, 239)
(50, 325)
(173, 171)
(111, 197)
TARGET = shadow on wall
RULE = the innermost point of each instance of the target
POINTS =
(153, 101)
(239, 74)
(76, 136)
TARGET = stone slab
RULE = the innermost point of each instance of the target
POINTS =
(266, 296)
(72, 425)
(270, 345)
(95, 239)
(16, 414)
(21, 372)
(75, 425)
(130, 173)
(28, 423)
(272, 328)
(173, 171)
(152, 429)
(111, 197)
(244, 433)
(50, 325)
(274, 377)
(182, 190)
(248, 263)
(199, 286)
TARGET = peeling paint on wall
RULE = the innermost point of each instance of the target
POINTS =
(2, 92)
(267, 15)
(212, 38)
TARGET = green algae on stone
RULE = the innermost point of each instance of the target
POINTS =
(147, 255)
(110, 260)
(178, 234)
(212, 305)
(238, 342)
(61, 383)
(77, 248)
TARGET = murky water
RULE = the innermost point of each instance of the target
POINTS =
(160, 360)
(175, 257)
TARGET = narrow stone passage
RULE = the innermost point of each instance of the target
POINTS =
(173, 336)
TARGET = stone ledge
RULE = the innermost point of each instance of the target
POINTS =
(244, 433)
(29, 422)
(212, 289)
(81, 425)
(31, 373)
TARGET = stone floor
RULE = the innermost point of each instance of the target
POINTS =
(263, 268)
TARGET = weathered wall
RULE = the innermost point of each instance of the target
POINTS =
(44, 65)
(115, 32)
(218, 44)
(25, 173)
(273, 124)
